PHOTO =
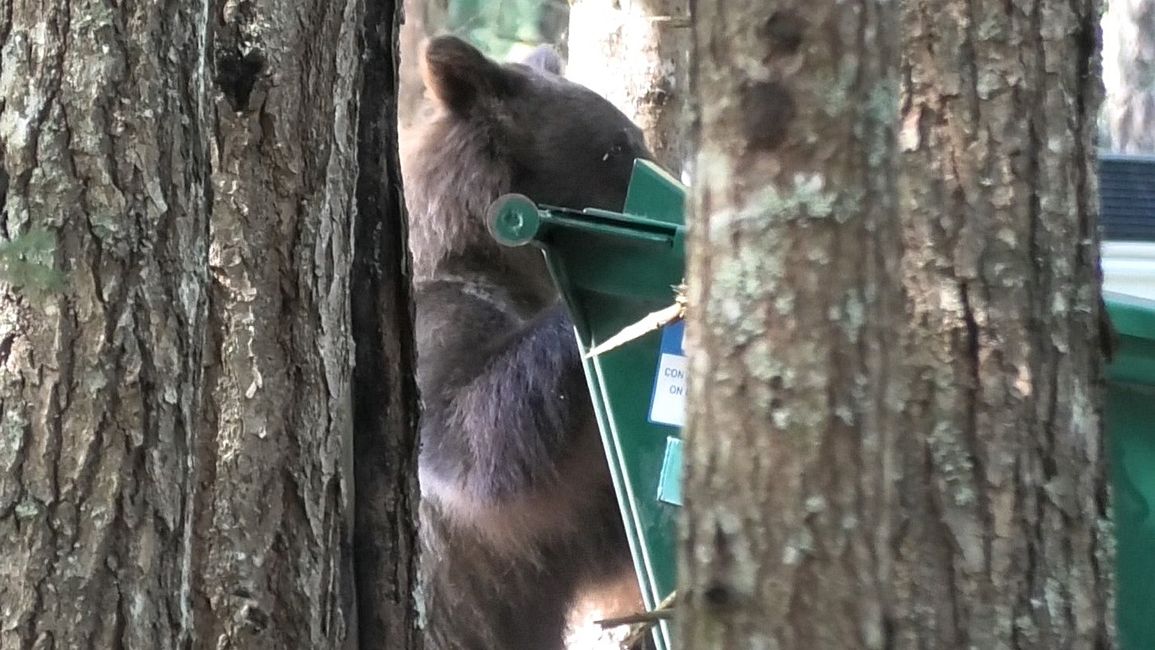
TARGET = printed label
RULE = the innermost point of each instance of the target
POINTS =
(668, 403)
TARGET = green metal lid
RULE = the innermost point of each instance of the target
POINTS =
(1134, 320)
(1131, 315)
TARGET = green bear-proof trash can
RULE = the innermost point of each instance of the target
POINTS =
(612, 270)
(1130, 415)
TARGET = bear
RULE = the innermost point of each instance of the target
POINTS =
(518, 516)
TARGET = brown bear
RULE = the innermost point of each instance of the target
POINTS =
(519, 518)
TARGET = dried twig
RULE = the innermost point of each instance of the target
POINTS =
(649, 323)
(640, 617)
(642, 622)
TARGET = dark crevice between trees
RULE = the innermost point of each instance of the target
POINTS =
(1088, 38)
(1088, 45)
(384, 445)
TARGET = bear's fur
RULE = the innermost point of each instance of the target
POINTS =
(519, 518)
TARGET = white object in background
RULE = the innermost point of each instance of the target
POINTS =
(1129, 267)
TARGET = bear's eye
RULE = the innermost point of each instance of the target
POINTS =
(620, 146)
(614, 151)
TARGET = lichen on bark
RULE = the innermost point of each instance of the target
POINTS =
(894, 437)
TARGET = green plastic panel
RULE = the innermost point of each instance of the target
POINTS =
(1134, 321)
(655, 194)
(613, 269)
(1130, 415)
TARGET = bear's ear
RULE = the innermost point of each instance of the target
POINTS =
(544, 58)
(458, 74)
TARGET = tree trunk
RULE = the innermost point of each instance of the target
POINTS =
(894, 435)
(177, 446)
(795, 297)
(1005, 542)
(1129, 75)
(646, 45)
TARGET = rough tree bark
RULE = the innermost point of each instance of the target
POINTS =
(794, 283)
(1129, 75)
(894, 433)
(1006, 542)
(646, 45)
(106, 134)
(177, 427)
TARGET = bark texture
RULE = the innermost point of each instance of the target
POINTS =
(894, 433)
(1000, 213)
(106, 132)
(1129, 75)
(636, 53)
(794, 275)
(176, 427)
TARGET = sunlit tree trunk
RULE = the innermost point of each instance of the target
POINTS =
(176, 455)
(894, 437)
(1005, 541)
(796, 300)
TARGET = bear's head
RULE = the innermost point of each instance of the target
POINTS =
(500, 128)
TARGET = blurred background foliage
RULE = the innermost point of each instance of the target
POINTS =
(502, 29)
